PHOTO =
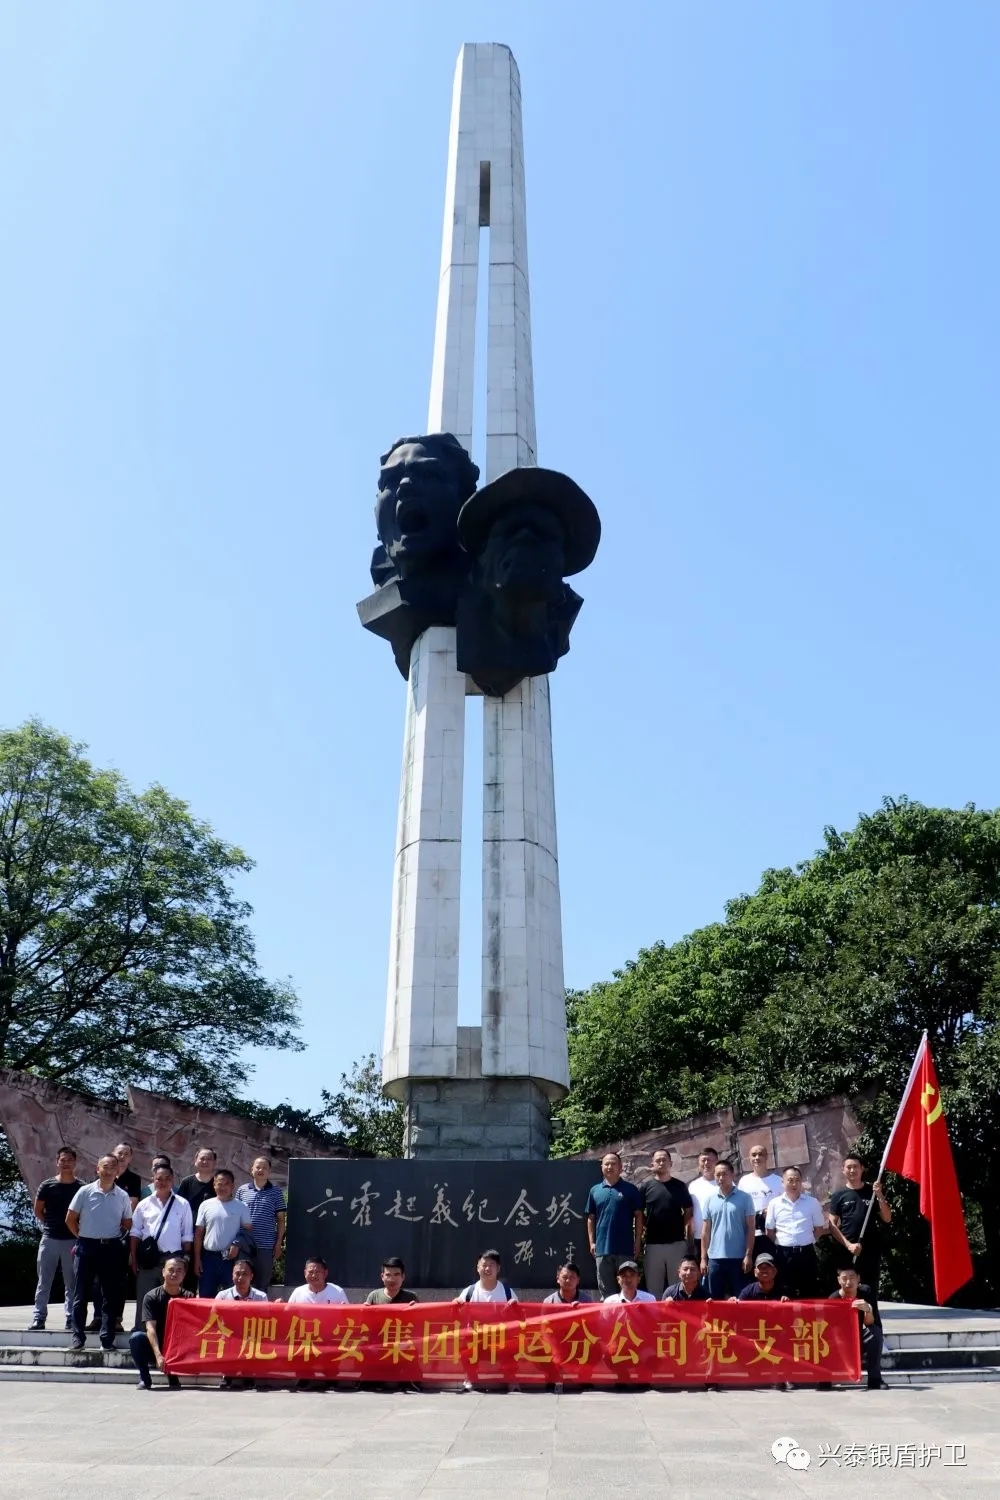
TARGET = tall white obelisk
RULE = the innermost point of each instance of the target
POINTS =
(478, 1091)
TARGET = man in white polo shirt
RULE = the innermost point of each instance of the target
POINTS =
(489, 1287)
(628, 1287)
(317, 1288)
(795, 1220)
(762, 1186)
(701, 1189)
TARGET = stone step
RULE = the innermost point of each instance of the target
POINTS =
(13, 1338)
(95, 1375)
(944, 1376)
(936, 1358)
(965, 1338)
(24, 1354)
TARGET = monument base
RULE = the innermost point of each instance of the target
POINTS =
(476, 1119)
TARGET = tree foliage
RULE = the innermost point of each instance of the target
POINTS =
(368, 1122)
(820, 982)
(125, 955)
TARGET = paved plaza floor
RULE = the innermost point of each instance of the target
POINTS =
(87, 1442)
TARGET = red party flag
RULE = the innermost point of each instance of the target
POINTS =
(918, 1148)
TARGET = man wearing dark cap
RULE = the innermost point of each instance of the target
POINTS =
(766, 1286)
(628, 1286)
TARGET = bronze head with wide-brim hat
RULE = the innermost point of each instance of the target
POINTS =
(541, 489)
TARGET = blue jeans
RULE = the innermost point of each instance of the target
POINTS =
(726, 1278)
(216, 1273)
(141, 1351)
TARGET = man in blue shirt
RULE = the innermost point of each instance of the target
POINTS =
(689, 1286)
(614, 1222)
(727, 1236)
(267, 1219)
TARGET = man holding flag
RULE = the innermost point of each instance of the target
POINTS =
(850, 1211)
(918, 1148)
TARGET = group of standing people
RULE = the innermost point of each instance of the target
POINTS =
(727, 1224)
(718, 1238)
(99, 1232)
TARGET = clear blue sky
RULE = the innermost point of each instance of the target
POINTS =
(764, 249)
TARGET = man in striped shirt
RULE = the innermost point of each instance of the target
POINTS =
(267, 1219)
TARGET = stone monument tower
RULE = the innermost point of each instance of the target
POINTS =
(470, 593)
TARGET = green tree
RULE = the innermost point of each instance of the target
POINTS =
(368, 1121)
(822, 981)
(125, 955)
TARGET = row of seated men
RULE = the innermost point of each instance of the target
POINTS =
(147, 1342)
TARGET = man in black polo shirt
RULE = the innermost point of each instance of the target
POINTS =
(667, 1211)
(200, 1185)
(52, 1200)
(197, 1187)
(129, 1181)
(146, 1343)
(689, 1286)
(847, 1211)
(865, 1303)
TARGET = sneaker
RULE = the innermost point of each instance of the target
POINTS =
(37, 1327)
(143, 1385)
(68, 1325)
(77, 1346)
(108, 1348)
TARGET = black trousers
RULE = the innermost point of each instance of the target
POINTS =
(871, 1353)
(104, 1262)
(797, 1264)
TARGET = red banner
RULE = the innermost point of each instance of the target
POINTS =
(649, 1343)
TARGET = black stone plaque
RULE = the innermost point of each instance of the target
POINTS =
(440, 1217)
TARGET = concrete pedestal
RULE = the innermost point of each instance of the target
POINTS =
(477, 1119)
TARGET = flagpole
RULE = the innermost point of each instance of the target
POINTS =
(892, 1132)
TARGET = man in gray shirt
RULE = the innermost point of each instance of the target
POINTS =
(99, 1215)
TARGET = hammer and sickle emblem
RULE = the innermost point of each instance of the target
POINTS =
(925, 1098)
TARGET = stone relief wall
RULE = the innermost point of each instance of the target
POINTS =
(813, 1137)
(38, 1117)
